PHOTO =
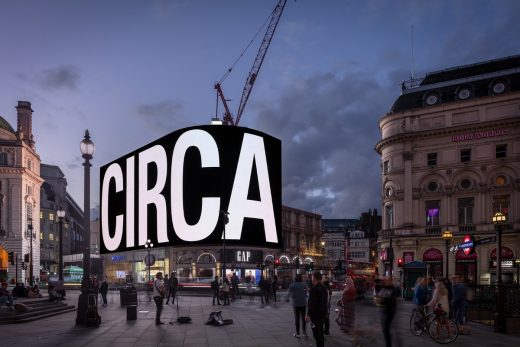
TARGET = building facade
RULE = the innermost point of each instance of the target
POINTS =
(450, 158)
(301, 246)
(20, 184)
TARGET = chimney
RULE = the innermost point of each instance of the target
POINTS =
(24, 121)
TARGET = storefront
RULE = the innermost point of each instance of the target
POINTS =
(466, 265)
(120, 265)
(433, 259)
(508, 265)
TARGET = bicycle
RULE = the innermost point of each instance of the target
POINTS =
(440, 328)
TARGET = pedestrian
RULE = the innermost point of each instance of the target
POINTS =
(317, 305)
(326, 326)
(95, 287)
(234, 283)
(440, 303)
(172, 285)
(215, 289)
(298, 293)
(347, 313)
(103, 290)
(275, 286)
(264, 289)
(166, 282)
(225, 290)
(459, 302)
(159, 292)
(388, 294)
(420, 292)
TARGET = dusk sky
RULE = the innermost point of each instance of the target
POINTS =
(134, 71)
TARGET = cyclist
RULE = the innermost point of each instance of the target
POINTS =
(440, 304)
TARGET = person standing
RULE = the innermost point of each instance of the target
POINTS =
(388, 295)
(275, 286)
(225, 290)
(347, 314)
(420, 292)
(173, 285)
(326, 327)
(264, 289)
(298, 293)
(234, 283)
(159, 293)
(166, 282)
(317, 305)
(459, 302)
(95, 287)
(215, 289)
(103, 290)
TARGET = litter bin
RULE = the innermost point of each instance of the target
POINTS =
(131, 312)
(128, 295)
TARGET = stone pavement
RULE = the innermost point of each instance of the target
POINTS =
(254, 325)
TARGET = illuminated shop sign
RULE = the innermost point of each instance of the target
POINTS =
(174, 191)
(479, 135)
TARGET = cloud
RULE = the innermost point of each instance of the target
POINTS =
(61, 77)
(329, 126)
(163, 115)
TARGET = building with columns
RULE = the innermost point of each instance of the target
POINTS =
(20, 184)
(450, 158)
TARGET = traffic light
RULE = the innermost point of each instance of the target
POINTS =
(276, 262)
(400, 262)
(11, 257)
(26, 257)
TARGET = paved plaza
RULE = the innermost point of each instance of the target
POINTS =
(253, 325)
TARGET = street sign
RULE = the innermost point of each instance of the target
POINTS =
(486, 240)
(149, 260)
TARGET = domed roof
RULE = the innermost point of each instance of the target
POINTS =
(5, 125)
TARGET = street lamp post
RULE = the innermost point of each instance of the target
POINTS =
(500, 327)
(87, 150)
(447, 235)
(225, 220)
(31, 271)
(148, 245)
(517, 263)
(60, 213)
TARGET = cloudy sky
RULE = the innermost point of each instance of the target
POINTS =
(133, 71)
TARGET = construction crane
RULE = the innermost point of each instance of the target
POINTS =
(228, 117)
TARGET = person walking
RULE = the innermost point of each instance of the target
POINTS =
(275, 286)
(215, 289)
(441, 304)
(347, 313)
(388, 299)
(459, 302)
(159, 293)
(103, 290)
(326, 326)
(317, 305)
(234, 283)
(298, 294)
(173, 285)
(264, 289)
(225, 290)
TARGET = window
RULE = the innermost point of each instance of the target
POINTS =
(3, 158)
(432, 211)
(465, 155)
(501, 151)
(51, 237)
(500, 180)
(29, 164)
(386, 167)
(41, 215)
(432, 159)
(389, 212)
(465, 210)
(501, 203)
(466, 183)
(432, 187)
(51, 216)
(41, 236)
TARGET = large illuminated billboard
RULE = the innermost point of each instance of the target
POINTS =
(179, 189)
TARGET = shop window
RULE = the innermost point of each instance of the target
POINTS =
(465, 210)
(432, 159)
(501, 151)
(51, 237)
(465, 155)
(432, 211)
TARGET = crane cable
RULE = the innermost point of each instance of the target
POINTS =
(244, 51)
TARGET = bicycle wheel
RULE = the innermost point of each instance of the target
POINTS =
(443, 330)
(417, 322)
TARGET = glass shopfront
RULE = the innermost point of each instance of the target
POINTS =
(466, 265)
(434, 262)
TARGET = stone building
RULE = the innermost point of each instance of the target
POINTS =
(450, 158)
(20, 184)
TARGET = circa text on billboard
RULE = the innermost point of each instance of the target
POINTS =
(177, 189)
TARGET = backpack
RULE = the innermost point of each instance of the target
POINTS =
(215, 318)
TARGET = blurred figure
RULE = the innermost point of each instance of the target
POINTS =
(440, 304)
(298, 293)
(420, 293)
(347, 313)
(225, 290)
(6, 297)
(34, 292)
(459, 302)
(326, 327)
(388, 300)
(103, 290)
(317, 308)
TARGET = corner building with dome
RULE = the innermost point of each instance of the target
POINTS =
(450, 159)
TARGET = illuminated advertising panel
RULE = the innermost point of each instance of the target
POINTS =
(179, 190)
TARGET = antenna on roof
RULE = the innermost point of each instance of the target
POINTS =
(413, 63)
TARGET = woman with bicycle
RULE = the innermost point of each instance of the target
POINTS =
(440, 304)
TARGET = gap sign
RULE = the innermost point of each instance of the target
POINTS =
(175, 190)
